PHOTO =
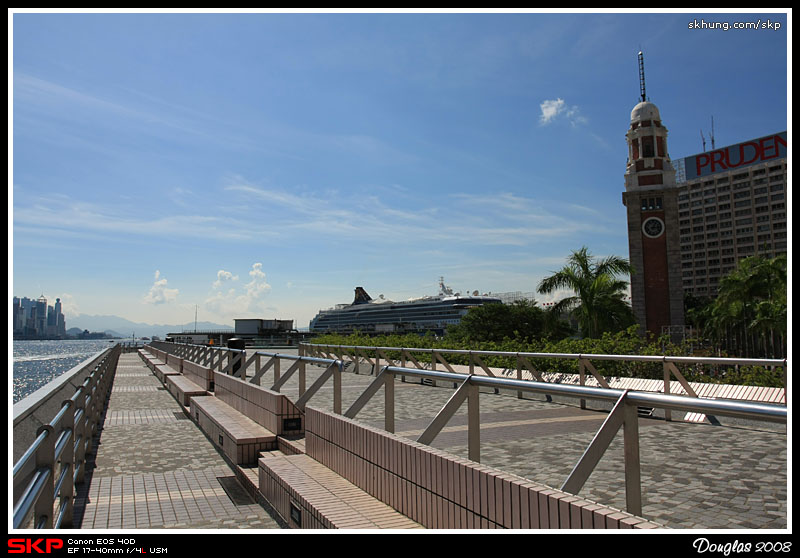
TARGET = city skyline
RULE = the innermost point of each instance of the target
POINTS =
(265, 165)
(35, 319)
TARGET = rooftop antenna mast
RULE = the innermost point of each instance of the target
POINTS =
(702, 137)
(712, 134)
(641, 77)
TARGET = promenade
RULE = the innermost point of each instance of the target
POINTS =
(155, 469)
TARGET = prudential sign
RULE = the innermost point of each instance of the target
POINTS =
(736, 156)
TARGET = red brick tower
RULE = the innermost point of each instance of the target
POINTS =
(651, 198)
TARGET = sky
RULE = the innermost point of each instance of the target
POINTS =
(263, 165)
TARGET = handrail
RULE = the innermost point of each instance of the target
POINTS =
(239, 362)
(624, 414)
(333, 369)
(523, 360)
(574, 356)
(39, 486)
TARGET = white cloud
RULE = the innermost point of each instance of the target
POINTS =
(259, 283)
(159, 292)
(550, 109)
(223, 276)
(555, 108)
(247, 301)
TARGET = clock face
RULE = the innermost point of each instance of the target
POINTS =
(653, 227)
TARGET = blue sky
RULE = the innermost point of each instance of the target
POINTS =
(264, 165)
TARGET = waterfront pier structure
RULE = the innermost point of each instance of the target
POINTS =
(190, 438)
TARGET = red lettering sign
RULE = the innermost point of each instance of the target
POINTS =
(29, 546)
(740, 155)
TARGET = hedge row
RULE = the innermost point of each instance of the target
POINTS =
(623, 343)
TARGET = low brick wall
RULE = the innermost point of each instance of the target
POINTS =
(174, 362)
(440, 490)
(183, 389)
(274, 411)
(239, 438)
(203, 376)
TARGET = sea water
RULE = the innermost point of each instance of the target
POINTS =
(38, 362)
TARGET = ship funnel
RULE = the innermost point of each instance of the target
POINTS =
(361, 296)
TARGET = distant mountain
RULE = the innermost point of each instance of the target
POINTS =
(122, 327)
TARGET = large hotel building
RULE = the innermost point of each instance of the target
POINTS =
(690, 221)
(731, 204)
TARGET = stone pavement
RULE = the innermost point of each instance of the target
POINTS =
(156, 469)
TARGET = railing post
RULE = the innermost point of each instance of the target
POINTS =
(67, 488)
(633, 476)
(474, 424)
(582, 374)
(45, 458)
(301, 372)
(337, 387)
(80, 432)
(667, 379)
(388, 410)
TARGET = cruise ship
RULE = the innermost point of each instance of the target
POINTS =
(379, 316)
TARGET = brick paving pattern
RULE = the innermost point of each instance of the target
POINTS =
(155, 469)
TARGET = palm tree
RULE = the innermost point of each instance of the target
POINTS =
(750, 308)
(598, 303)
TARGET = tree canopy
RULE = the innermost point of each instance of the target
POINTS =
(522, 320)
(598, 303)
(749, 314)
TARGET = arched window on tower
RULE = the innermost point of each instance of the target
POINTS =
(648, 148)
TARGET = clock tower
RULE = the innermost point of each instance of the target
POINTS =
(651, 199)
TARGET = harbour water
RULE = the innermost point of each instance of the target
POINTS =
(38, 362)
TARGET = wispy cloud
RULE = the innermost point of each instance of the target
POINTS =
(483, 219)
(557, 108)
(63, 215)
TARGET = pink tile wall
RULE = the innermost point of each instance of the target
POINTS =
(440, 490)
(267, 408)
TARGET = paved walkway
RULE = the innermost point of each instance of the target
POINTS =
(156, 469)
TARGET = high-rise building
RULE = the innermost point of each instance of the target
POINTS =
(731, 205)
(61, 325)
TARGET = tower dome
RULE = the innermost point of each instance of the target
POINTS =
(645, 111)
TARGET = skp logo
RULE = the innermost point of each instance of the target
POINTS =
(31, 546)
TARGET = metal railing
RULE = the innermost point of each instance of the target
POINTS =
(224, 359)
(624, 414)
(236, 362)
(44, 478)
(333, 370)
(523, 362)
